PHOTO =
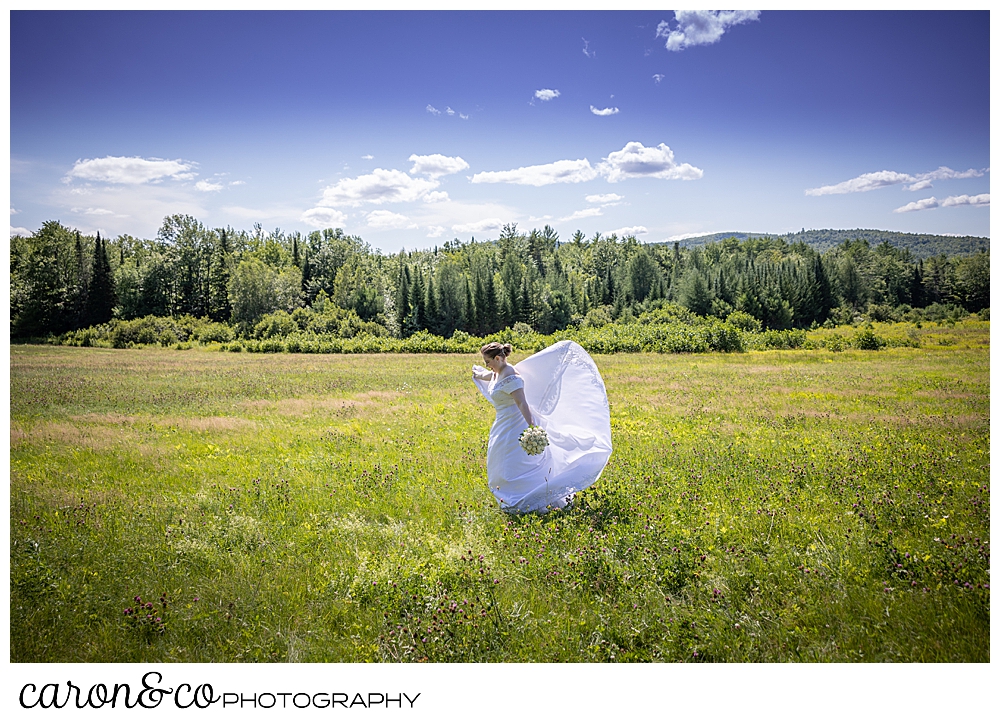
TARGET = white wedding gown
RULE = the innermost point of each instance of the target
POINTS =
(568, 400)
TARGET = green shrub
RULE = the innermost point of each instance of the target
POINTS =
(743, 321)
(866, 339)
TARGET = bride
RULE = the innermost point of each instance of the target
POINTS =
(560, 390)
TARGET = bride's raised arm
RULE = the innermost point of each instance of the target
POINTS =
(481, 373)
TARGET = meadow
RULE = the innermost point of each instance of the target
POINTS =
(784, 505)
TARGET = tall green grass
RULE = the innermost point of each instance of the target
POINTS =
(802, 505)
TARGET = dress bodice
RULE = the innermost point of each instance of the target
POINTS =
(499, 390)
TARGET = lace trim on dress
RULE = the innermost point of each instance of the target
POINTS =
(507, 381)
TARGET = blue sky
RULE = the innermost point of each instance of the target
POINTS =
(412, 128)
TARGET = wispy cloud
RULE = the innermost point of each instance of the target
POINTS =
(605, 199)
(860, 184)
(488, 224)
(437, 165)
(435, 231)
(585, 213)
(637, 161)
(633, 161)
(880, 179)
(207, 186)
(448, 110)
(19, 231)
(630, 231)
(379, 186)
(546, 94)
(323, 218)
(943, 173)
(436, 197)
(542, 175)
(657, 77)
(586, 49)
(93, 211)
(603, 111)
(13, 211)
(983, 199)
(388, 220)
(367, 157)
(130, 170)
(701, 27)
(237, 183)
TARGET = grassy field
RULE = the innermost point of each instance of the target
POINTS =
(769, 506)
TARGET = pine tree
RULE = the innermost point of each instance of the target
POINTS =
(219, 308)
(417, 319)
(479, 327)
(433, 320)
(101, 299)
(525, 307)
(403, 308)
(917, 285)
(469, 317)
(78, 294)
(492, 320)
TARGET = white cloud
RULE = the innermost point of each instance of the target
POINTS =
(19, 231)
(463, 116)
(436, 197)
(605, 199)
(437, 165)
(880, 179)
(701, 27)
(863, 183)
(379, 186)
(387, 220)
(586, 49)
(543, 175)
(637, 161)
(983, 199)
(431, 109)
(546, 94)
(923, 180)
(13, 211)
(603, 111)
(585, 213)
(435, 231)
(488, 224)
(119, 169)
(630, 231)
(237, 183)
(323, 218)
(367, 157)
(207, 186)
(658, 77)
(93, 211)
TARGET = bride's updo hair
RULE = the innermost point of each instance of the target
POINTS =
(494, 348)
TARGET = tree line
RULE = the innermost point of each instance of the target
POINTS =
(331, 282)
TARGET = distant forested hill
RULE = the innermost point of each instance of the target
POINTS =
(921, 245)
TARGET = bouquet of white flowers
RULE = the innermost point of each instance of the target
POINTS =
(534, 440)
